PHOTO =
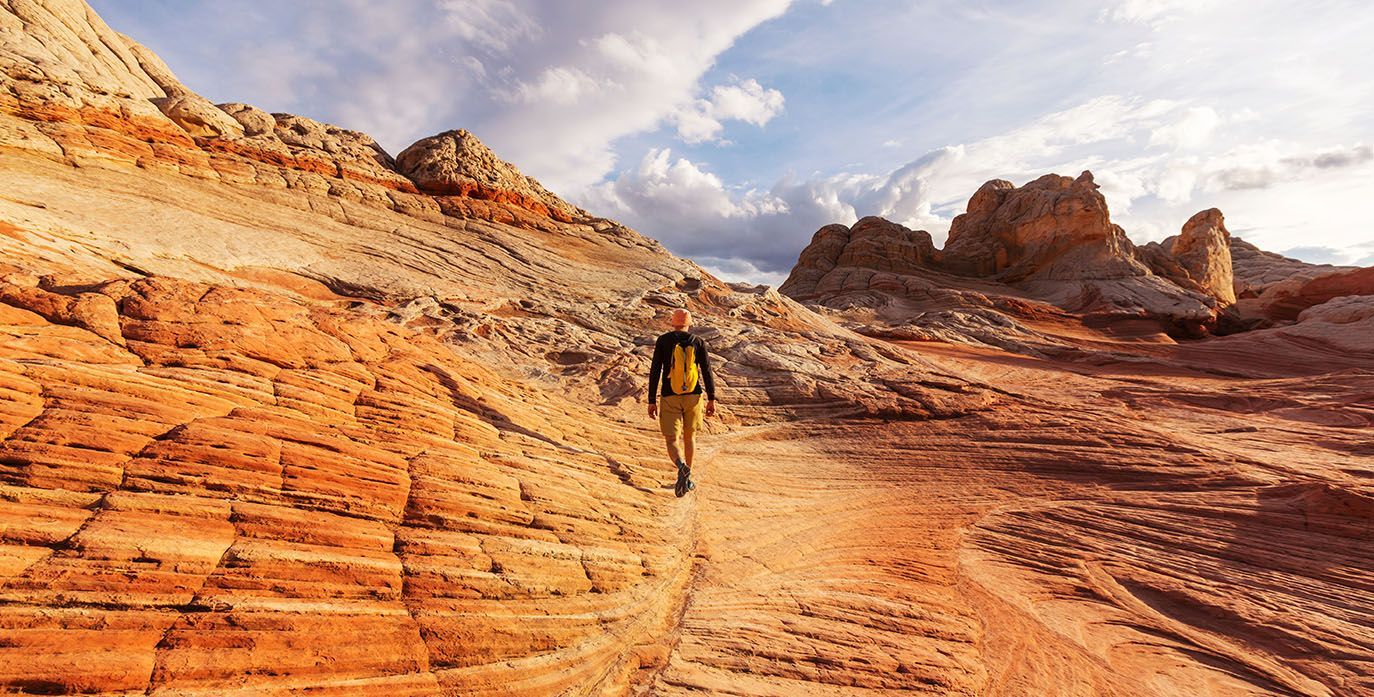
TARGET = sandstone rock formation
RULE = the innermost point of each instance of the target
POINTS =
(816, 260)
(275, 420)
(198, 117)
(62, 53)
(878, 244)
(1203, 250)
(252, 120)
(1287, 300)
(1054, 229)
(872, 243)
(456, 163)
(1197, 259)
(1051, 240)
(1255, 269)
(1019, 256)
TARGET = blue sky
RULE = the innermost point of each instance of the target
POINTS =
(732, 129)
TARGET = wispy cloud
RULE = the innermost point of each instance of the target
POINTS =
(549, 85)
(693, 210)
(1151, 12)
(493, 25)
(732, 129)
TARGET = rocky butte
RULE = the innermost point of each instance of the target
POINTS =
(284, 414)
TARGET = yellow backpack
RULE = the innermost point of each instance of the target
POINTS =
(683, 375)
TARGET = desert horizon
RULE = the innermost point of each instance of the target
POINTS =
(288, 407)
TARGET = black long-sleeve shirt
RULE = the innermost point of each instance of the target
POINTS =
(663, 355)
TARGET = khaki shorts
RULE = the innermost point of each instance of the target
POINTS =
(679, 413)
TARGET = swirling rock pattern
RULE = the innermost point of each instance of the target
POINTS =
(276, 420)
(250, 485)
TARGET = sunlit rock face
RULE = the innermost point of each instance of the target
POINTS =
(1051, 240)
(1054, 228)
(456, 163)
(1203, 250)
(280, 413)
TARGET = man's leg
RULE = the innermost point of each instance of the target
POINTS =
(692, 411)
(673, 453)
(691, 421)
(670, 423)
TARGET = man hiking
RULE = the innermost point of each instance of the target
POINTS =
(680, 361)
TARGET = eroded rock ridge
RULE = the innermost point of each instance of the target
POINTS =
(282, 414)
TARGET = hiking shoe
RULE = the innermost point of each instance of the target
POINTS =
(684, 481)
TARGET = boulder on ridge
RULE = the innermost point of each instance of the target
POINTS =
(456, 163)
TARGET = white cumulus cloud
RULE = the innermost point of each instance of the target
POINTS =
(550, 86)
(746, 101)
(1192, 130)
(757, 234)
(743, 100)
(558, 86)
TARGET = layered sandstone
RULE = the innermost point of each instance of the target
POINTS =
(80, 93)
(277, 420)
(1203, 250)
(872, 243)
(1053, 229)
(247, 489)
(1197, 259)
(1051, 240)
(1255, 269)
(456, 163)
(1288, 299)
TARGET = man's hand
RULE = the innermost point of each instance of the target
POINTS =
(711, 407)
(653, 410)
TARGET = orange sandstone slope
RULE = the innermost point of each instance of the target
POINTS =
(277, 419)
(285, 414)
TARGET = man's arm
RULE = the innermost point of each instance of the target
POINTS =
(704, 362)
(655, 371)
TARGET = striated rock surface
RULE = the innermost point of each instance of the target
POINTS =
(816, 260)
(1051, 241)
(456, 163)
(275, 420)
(878, 244)
(59, 52)
(1271, 288)
(872, 243)
(252, 120)
(1255, 269)
(252, 490)
(198, 117)
(1054, 229)
(1287, 300)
